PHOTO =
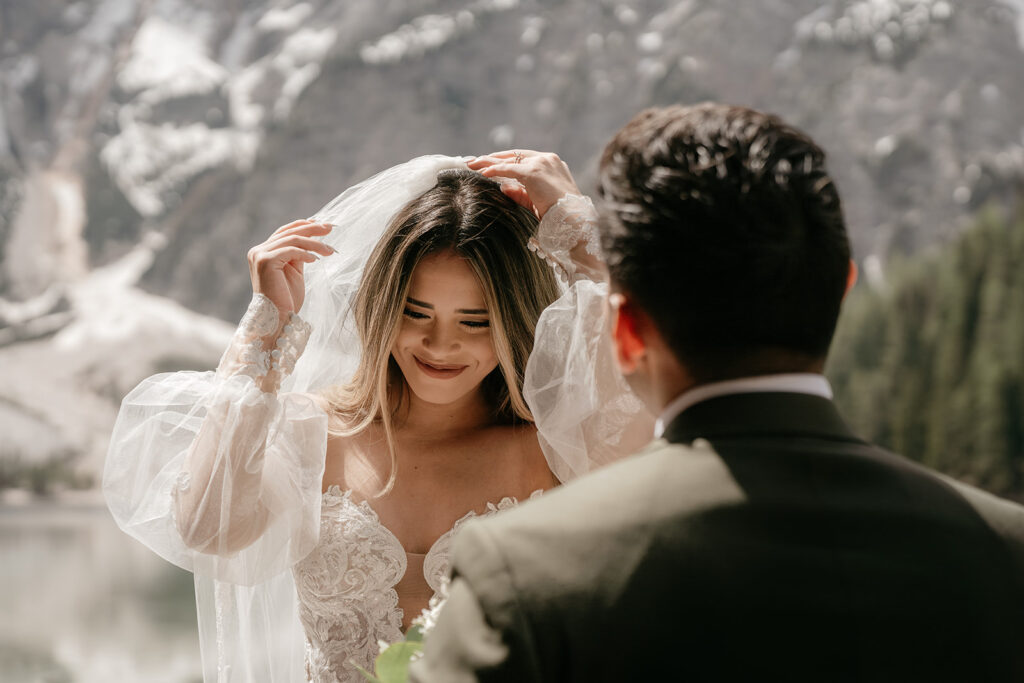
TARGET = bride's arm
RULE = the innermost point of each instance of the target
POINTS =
(220, 500)
(567, 236)
(216, 471)
(585, 413)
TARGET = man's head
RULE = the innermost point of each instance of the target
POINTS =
(725, 237)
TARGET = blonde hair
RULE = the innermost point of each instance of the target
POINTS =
(468, 214)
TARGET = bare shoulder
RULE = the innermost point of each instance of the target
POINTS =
(521, 445)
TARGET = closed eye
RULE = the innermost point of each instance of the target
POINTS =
(415, 315)
(476, 323)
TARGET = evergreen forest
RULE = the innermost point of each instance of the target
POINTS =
(930, 362)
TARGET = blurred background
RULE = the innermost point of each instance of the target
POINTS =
(145, 145)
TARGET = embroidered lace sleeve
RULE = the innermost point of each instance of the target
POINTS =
(216, 471)
(249, 353)
(567, 238)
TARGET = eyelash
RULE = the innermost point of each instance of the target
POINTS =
(473, 324)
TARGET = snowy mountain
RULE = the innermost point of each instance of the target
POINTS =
(146, 144)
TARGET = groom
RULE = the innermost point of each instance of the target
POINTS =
(756, 538)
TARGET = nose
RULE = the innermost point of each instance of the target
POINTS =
(440, 337)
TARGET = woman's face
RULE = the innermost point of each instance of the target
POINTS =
(444, 338)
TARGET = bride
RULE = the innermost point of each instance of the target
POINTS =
(406, 364)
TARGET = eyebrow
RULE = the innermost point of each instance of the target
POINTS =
(467, 311)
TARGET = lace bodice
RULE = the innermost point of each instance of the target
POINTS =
(346, 585)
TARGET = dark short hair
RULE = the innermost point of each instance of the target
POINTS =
(723, 225)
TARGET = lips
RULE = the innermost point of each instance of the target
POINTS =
(439, 370)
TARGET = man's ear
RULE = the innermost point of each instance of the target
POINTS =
(851, 277)
(627, 323)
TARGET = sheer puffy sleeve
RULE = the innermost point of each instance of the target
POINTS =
(586, 414)
(217, 472)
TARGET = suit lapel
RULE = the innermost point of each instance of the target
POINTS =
(760, 414)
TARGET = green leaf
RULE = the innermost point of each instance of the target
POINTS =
(367, 675)
(414, 634)
(393, 663)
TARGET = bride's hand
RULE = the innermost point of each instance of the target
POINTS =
(542, 177)
(275, 266)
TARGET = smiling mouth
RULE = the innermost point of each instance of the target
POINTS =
(438, 370)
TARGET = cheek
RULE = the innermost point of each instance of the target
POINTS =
(405, 335)
(484, 351)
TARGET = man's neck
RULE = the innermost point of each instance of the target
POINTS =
(813, 383)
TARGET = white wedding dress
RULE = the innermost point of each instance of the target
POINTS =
(292, 583)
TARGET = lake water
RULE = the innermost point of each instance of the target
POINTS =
(81, 602)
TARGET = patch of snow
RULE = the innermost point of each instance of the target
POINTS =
(533, 28)
(503, 136)
(497, 5)
(167, 61)
(299, 61)
(626, 14)
(294, 84)
(990, 93)
(1018, 7)
(422, 35)
(305, 46)
(45, 242)
(649, 42)
(884, 146)
(874, 274)
(284, 18)
(246, 113)
(147, 161)
(805, 25)
(109, 310)
(886, 26)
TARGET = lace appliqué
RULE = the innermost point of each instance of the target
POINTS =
(247, 356)
(437, 563)
(567, 224)
(348, 604)
(347, 599)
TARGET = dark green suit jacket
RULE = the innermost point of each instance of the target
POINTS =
(759, 540)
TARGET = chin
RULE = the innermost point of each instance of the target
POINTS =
(438, 395)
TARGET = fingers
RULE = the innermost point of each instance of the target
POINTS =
(303, 227)
(297, 240)
(505, 170)
(514, 190)
(286, 255)
(545, 177)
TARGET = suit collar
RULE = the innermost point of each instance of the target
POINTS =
(760, 414)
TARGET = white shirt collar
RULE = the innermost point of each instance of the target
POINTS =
(798, 383)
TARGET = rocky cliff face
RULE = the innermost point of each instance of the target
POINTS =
(176, 133)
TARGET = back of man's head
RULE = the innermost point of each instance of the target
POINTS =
(723, 226)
